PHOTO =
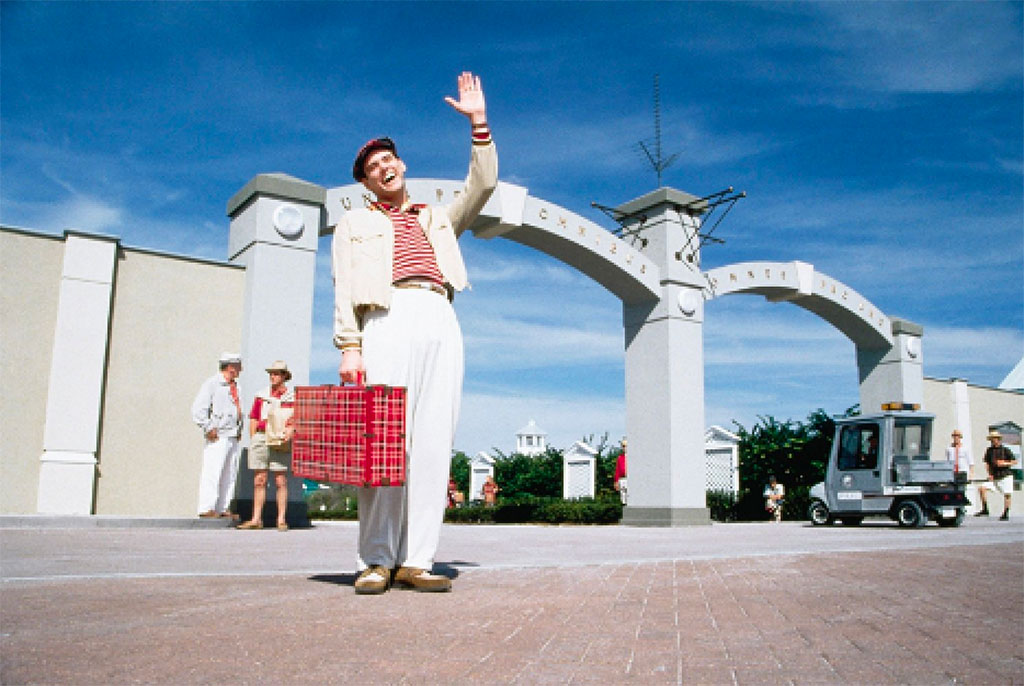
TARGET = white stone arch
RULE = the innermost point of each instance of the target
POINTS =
(799, 283)
(888, 349)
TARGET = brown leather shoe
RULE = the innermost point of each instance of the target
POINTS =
(250, 525)
(422, 580)
(373, 580)
(208, 514)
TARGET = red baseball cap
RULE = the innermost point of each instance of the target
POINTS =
(368, 149)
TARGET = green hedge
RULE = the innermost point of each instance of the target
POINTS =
(519, 511)
(606, 509)
(539, 511)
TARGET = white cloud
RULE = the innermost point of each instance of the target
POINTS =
(921, 47)
(949, 347)
(80, 212)
(498, 343)
(491, 418)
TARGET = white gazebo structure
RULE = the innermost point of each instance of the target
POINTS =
(531, 440)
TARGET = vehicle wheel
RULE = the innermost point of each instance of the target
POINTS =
(910, 515)
(851, 521)
(819, 514)
(953, 521)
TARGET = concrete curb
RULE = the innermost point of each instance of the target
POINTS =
(110, 521)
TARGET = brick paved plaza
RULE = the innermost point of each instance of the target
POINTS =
(127, 603)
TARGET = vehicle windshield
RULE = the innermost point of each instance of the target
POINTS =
(858, 447)
(910, 439)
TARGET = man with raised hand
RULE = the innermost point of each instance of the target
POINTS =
(396, 268)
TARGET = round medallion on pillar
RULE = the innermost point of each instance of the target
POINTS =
(688, 301)
(288, 221)
(913, 347)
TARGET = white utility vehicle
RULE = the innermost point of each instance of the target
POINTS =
(882, 465)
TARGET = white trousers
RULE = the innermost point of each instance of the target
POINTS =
(220, 469)
(416, 343)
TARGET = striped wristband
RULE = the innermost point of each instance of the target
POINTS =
(481, 134)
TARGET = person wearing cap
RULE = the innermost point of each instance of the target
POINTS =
(263, 458)
(960, 455)
(999, 461)
(217, 411)
(396, 266)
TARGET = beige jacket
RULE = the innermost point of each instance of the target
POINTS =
(363, 248)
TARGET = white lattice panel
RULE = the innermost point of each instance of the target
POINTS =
(720, 475)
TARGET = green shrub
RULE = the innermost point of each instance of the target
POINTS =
(537, 510)
(336, 502)
(722, 505)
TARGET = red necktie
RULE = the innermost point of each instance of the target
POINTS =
(234, 396)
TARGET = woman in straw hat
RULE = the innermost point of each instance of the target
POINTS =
(264, 458)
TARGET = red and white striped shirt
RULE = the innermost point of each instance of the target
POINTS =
(414, 256)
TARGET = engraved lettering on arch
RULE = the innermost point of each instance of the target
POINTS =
(562, 222)
(543, 213)
(346, 202)
(367, 200)
(439, 192)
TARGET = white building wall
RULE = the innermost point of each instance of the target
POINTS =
(120, 424)
(29, 299)
(163, 346)
(972, 409)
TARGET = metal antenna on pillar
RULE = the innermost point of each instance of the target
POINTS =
(659, 163)
(633, 225)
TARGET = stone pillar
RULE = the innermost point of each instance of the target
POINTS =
(275, 226)
(67, 473)
(665, 367)
(895, 374)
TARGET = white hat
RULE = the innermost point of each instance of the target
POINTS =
(280, 366)
(230, 358)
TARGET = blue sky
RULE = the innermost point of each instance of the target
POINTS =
(881, 142)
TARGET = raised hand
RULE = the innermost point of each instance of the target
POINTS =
(471, 98)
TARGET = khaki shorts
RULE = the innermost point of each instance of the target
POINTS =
(262, 457)
(1003, 485)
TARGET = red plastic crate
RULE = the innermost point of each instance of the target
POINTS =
(351, 435)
